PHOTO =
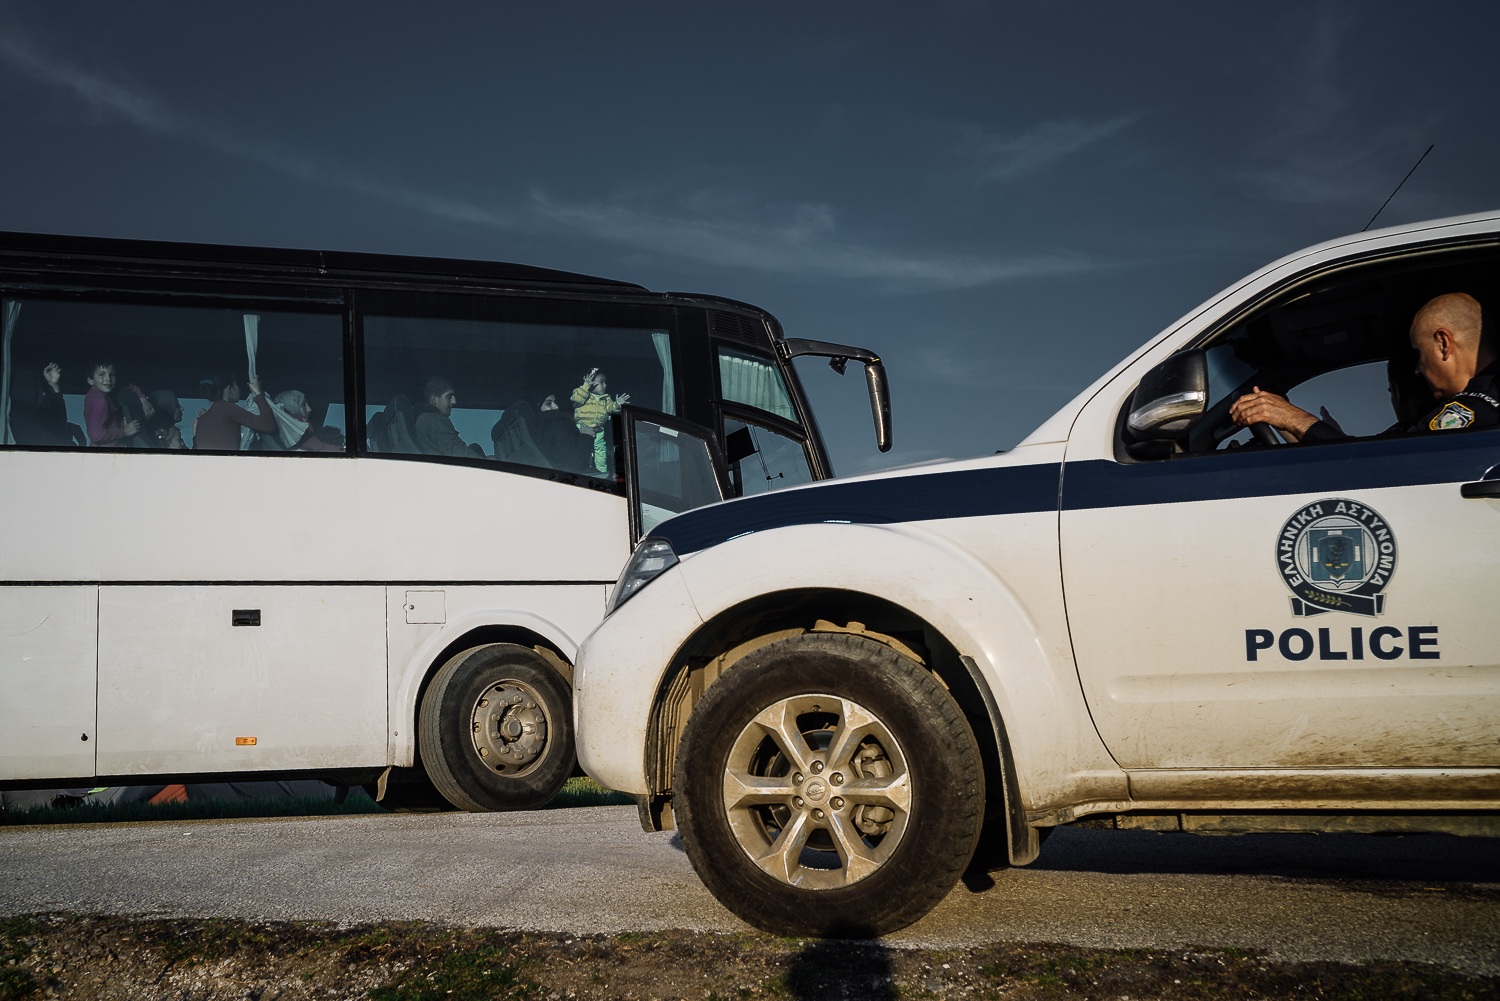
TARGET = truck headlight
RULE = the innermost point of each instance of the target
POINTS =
(651, 559)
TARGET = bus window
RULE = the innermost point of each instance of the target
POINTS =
(761, 460)
(533, 394)
(755, 381)
(117, 375)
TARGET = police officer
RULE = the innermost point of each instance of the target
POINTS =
(1455, 354)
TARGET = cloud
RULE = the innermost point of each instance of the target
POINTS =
(149, 113)
(1005, 158)
(1318, 150)
(802, 239)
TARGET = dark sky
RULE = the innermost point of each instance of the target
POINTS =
(1000, 199)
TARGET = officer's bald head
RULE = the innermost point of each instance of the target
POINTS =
(1457, 312)
(1448, 334)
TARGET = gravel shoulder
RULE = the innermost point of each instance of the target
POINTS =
(591, 873)
(93, 958)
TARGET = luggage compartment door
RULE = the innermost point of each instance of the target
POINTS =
(236, 678)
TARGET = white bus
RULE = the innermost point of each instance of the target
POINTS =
(280, 513)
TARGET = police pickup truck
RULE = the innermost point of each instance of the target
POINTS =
(1143, 616)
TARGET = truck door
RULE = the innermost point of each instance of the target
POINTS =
(1289, 605)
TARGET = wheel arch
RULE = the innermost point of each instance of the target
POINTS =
(743, 627)
(472, 630)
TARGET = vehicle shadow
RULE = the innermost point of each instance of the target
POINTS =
(1421, 858)
(836, 970)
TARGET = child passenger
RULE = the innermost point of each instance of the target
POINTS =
(102, 414)
(593, 406)
(218, 427)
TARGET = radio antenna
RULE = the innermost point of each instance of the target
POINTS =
(1398, 187)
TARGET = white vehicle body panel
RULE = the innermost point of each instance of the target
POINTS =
(331, 677)
(47, 680)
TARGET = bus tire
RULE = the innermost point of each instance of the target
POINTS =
(496, 729)
(855, 759)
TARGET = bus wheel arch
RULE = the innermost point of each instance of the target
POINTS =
(739, 630)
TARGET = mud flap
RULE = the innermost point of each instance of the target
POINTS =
(1023, 843)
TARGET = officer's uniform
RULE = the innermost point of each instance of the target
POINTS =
(1478, 405)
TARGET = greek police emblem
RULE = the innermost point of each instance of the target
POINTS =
(1453, 416)
(1336, 555)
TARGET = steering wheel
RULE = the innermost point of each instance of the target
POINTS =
(1264, 434)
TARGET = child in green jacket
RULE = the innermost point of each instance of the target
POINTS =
(592, 407)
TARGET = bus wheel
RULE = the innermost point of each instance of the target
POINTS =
(496, 729)
(827, 785)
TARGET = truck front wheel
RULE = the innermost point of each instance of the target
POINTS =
(827, 785)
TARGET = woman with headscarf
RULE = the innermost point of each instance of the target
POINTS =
(292, 412)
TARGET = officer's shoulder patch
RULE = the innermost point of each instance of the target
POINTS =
(1453, 415)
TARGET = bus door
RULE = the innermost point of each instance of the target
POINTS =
(671, 466)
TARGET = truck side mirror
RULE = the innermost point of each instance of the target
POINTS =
(1170, 397)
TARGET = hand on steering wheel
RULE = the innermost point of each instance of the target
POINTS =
(1258, 408)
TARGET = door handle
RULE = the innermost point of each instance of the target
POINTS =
(1481, 488)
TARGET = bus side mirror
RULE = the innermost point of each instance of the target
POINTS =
(838, 356)
(1171, 397)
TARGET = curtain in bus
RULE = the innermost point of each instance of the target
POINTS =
(744, 378)
(252, 346)
(12, 311)
(252, 340)
(663, 344)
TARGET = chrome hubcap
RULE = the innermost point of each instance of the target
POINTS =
(509, 727)
(817, 791)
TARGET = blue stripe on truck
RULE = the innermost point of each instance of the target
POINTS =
(1098, 483)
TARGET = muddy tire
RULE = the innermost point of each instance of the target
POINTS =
(828, 786)
(495, 730)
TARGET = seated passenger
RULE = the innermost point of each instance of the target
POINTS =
(167, 414)
(292, 413)
(38, 412)
(558, 438)
(434, 432)
(294, 402)
(218, 427)
(168, 437)
(107, 421)
(1456, 355)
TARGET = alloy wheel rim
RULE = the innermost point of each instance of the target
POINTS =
(817, 791)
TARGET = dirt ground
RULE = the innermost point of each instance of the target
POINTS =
(66, 956)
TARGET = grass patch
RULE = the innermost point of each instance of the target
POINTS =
(16, 946)
(464, 975)
(586, 792)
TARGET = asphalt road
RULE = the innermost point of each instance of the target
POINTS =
(1335, 897)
